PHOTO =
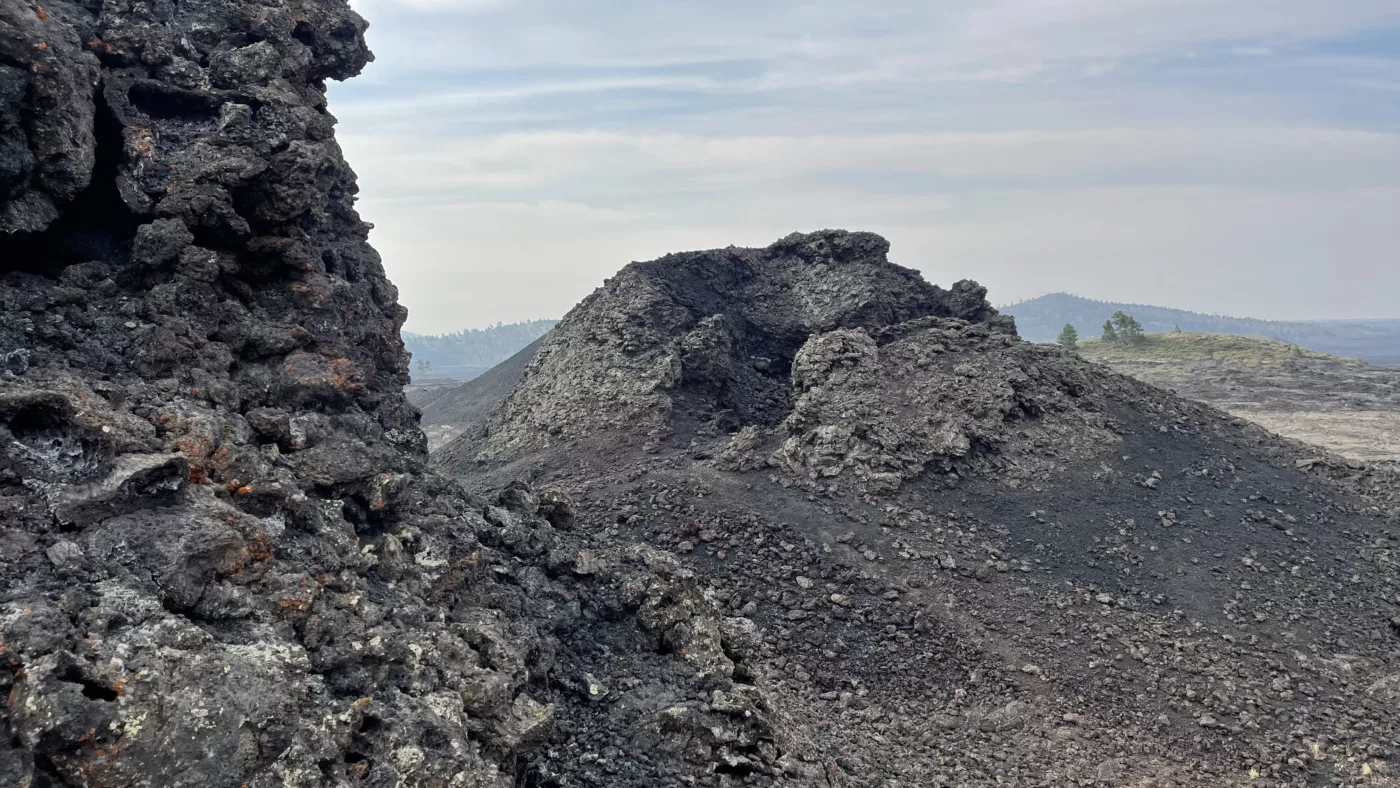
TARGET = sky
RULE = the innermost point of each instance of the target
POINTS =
(1229, 156)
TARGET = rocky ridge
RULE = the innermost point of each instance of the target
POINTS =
(692, 342)
(224, 562)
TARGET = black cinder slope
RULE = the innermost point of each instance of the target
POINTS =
(966, 559)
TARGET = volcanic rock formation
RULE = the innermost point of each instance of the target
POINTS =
(690, 342)
(968, 560)
(908, 548)
(222, 562)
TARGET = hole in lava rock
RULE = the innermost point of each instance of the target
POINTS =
(47, 445)
(361, 745)
(95, 226)
(91, 689)
(304, 33)
(735, 769)
(166, 102)
(370, 522)
(370, 724)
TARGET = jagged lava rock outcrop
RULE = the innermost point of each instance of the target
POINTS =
(696, 342)
(816, 353)
(222, 562)
(970, 560)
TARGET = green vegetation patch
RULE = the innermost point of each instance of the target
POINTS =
(1185, 346)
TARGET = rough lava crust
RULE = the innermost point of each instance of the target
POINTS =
(222, 559)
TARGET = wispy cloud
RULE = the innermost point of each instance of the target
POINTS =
(1118, 147)
(619, 165)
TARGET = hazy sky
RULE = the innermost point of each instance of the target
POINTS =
(1236, 156)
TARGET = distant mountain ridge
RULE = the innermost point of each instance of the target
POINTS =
(1376, 341)
(464, 355)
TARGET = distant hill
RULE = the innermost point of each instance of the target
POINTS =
(1374, 341)
(1385, 322)
(466, 354)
